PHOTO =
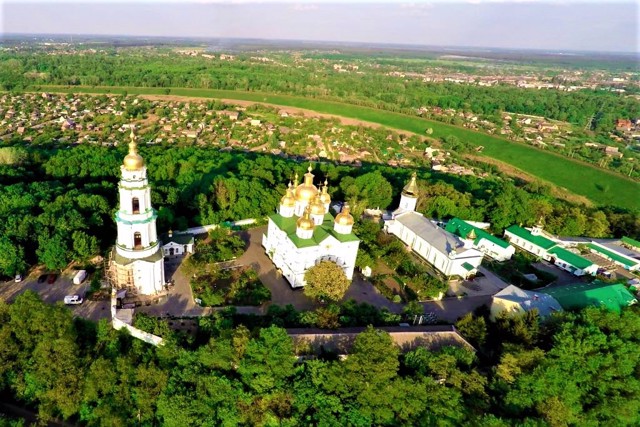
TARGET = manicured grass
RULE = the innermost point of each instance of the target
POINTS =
(601, 186)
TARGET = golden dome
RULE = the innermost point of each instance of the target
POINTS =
(306, 191)
(305, 222)
(324, 196)
(344, 217)
(288, 199)
(411, 189)
(133, 161)
(317, 207)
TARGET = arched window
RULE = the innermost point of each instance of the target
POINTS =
(135, 205)
(137, 240)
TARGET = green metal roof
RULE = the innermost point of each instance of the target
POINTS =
(320, 232)
(119, 259)
(607, 253)
(631, 242)
(180, 239)
(525, 234)
(571, 258)
(463, 228)
(580, 295)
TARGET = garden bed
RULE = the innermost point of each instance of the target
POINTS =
(237, 286)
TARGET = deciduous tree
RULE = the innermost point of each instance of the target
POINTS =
(326, 280)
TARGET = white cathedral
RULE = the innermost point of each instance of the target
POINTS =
(303, 232)
(137, 259)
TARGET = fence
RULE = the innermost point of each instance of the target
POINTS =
(135, 332)
(206, 228)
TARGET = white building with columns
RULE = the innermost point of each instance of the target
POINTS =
(445, 251)
(137, 261)
(303, 232)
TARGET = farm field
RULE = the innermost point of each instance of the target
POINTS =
(604, 188)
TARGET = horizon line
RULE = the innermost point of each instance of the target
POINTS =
(348, 42)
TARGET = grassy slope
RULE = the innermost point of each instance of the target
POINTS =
(603, 187)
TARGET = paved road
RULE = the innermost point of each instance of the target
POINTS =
(55, 292)
(449, 309)
(179, 300)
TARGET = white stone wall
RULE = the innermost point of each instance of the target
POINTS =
(408, 203)
(527, 246)
(148, 277)
(495, 251)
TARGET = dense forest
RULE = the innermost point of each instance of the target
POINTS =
(316, 79)
(574, 369)
(57, 203)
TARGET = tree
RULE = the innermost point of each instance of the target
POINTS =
(326, 280)
(473, 328)
(413, 308)
(268, 361)
(53, 252)
(11, 257)
(84, 246)
(371, 190)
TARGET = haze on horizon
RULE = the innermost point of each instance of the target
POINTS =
(553, 25)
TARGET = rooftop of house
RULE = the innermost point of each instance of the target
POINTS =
(181, 239)
(407, 338)
(525, 234)
(631, 242)
(596, 293)
(571, 258)
(463, 229)
(441, 239)
(613, 254)
(528, 300)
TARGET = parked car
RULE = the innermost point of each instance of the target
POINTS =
(18, 278)
(79, 277)
(42, 278)
(51, 278)
(73, 299)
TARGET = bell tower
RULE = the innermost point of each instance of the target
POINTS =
(138, 256)
(409, 196)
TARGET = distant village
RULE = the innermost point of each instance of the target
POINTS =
(105, 120)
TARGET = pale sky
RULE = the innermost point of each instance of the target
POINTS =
(555, 24)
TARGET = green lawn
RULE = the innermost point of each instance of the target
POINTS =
(601, 186)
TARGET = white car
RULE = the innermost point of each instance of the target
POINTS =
(73, 299)
(18, 278)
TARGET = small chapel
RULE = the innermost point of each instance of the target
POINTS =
(303, 232)
(137, 259)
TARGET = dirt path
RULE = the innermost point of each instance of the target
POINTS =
(291, 110)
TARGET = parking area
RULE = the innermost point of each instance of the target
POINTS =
(55, 292)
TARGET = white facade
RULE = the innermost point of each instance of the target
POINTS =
(173, 249)
(495, 251)
(138, 256)
(534, 241)
(294, 261)
(445, 251)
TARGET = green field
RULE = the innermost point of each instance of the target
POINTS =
(598, 185)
